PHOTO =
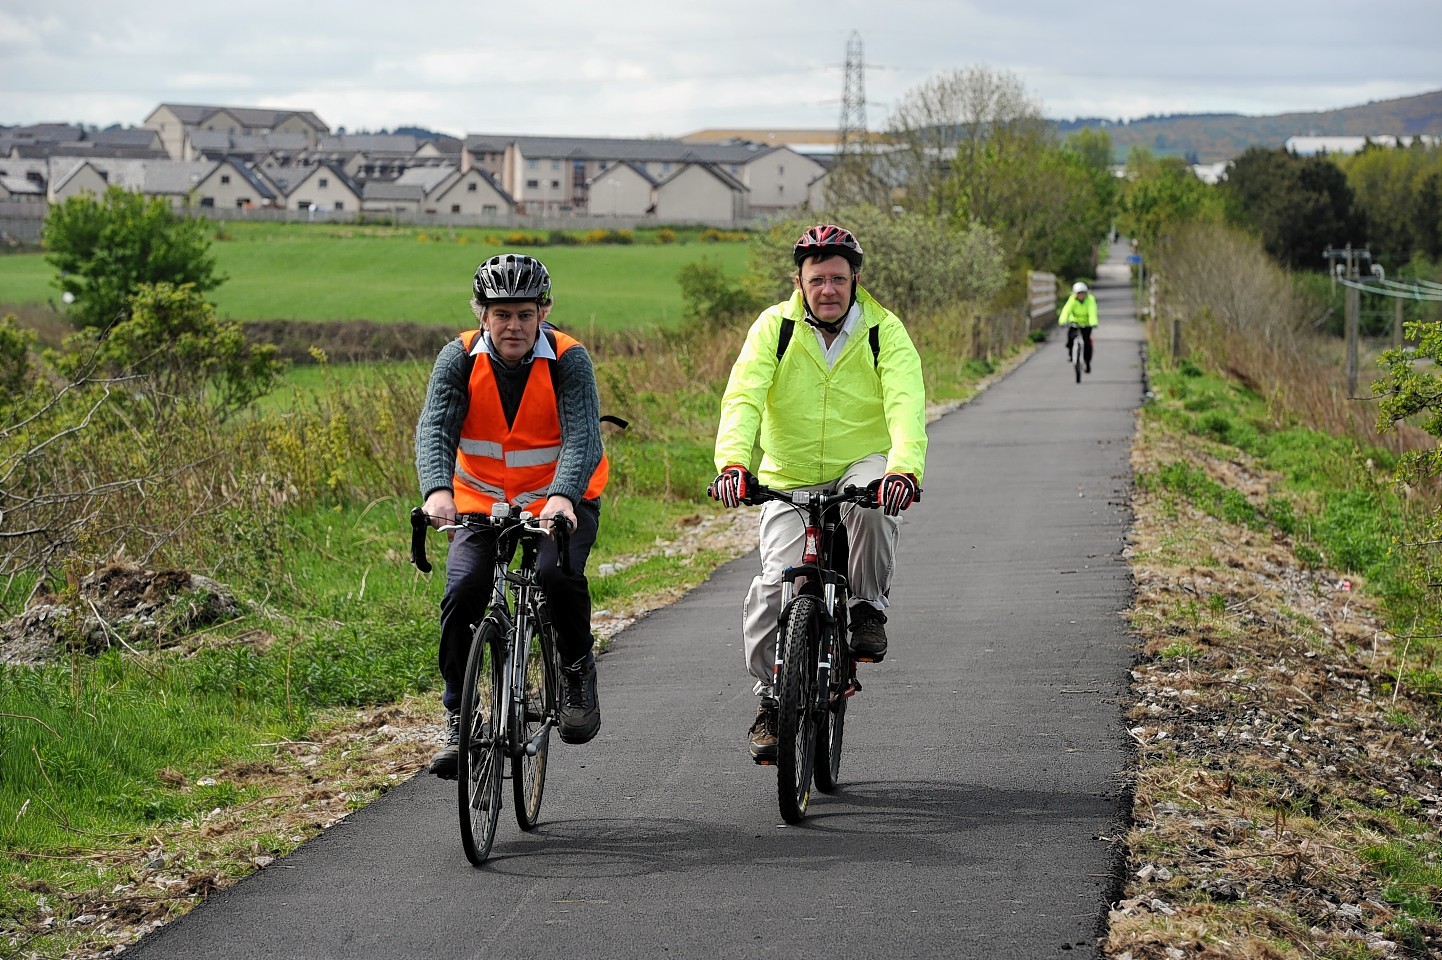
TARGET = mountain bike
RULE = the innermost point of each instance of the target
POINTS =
(815, 674)
(1078, 349)
(510, 699)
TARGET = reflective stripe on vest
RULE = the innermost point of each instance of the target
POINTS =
(516, 463)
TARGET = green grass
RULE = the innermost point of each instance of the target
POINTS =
(321, 272)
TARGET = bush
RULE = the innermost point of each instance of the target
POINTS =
(665, 235)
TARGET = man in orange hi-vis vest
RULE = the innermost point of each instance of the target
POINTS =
(512, 414)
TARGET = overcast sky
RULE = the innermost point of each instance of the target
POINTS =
(627, 68)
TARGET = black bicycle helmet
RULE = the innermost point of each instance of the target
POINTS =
(512, 278)
(827, 240)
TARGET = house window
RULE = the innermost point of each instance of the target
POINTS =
(781, 169)
(242, 202)
(603, 165)
(207, 201)
(533, 164)
(734, 169)
(555, 164)
(339, 205)
(555, 184)
(455, 208)
(471, 187)
(224, 178)
(324, 182)
(489, 210)
(665, 168)
(533, 184)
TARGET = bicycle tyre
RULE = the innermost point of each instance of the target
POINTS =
(480, 768)
(831, 727)
(528, 772)
(1077, 351)
(796, 719)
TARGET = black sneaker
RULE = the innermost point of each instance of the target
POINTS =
(763, 733)
(443, 764)
(580, 711)
(868, 635)
(1089, 368)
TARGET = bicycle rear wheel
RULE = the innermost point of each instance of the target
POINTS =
(796, 714)
(528, 770)
(480, 763)
(831, 727)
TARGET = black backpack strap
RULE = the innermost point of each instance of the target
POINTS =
(788, 327)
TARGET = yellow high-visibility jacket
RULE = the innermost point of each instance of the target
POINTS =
(798, 422)
(1083, 314)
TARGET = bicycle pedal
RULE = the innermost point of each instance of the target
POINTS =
(764, 761)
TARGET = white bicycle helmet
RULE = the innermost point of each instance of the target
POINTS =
(1078, 287)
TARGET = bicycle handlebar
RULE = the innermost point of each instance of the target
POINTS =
(514, 525)
(851, 493)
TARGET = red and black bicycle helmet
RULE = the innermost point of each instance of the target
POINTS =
(827, 240)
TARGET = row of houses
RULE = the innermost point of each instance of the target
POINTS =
(244, 159)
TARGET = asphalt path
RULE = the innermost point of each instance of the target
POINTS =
(983, 779)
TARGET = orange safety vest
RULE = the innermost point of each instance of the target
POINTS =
(517, 463)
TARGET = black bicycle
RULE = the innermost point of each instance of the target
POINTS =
(1078, 349)
(815, 672)
(510, 698)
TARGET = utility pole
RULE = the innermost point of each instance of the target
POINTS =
(851, 172)
(1354, 307)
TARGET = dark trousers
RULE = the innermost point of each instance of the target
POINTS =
(470, 570)
(1086, 333)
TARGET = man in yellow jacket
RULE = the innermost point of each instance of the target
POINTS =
(1079, 315)
(840, 402)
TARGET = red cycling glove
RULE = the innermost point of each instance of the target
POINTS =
(731, 485)
(897, 492)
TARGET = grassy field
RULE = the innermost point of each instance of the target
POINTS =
(329, 272)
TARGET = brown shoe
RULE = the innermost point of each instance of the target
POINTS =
(868, 633)
(763, 733)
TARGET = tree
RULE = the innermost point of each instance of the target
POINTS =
(178, 350)
(104, 248)
(1160, 196)
(972, 147)
(1299, 205)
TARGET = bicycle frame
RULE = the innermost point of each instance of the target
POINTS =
(819, 578)
(515, 604)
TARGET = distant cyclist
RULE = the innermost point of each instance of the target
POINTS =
(840, 402)
(1080, 309)
(512, 415)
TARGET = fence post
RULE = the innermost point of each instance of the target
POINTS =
(1397, 323)
(1176, 335)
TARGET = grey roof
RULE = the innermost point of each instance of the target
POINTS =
(427, 178)
(44, 133)
(639, 171)
(153, 177)
(400, 144)
(21, 185)
(132, 137)
(605, 148)
(215, 143)
(290, 184)
(192, 114)
(394, 190)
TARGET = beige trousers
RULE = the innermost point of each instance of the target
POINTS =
(873, 537)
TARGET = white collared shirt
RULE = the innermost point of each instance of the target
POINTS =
(832, 352)
(541, 349)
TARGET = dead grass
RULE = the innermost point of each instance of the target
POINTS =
(1273, 748)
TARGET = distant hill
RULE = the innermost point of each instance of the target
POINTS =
(1209, 137)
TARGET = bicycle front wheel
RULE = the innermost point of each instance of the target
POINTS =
(480, 766)
(535, 711)
(831, 727)
(796, 714)
(1077, 348)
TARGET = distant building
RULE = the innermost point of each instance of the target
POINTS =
(1312, 146)
(176, 122)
